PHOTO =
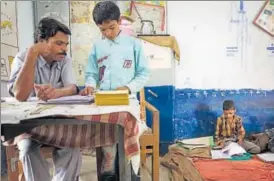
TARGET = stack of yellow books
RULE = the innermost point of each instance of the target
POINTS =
(110, 98)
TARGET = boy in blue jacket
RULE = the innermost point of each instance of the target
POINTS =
(116, 62)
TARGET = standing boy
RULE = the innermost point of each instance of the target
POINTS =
(116, 62)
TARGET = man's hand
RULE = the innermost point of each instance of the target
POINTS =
(40, 48)
(46, 92)
(87, 91)
(123, 88)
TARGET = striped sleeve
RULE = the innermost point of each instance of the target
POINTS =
(240, 130)
(218, 131)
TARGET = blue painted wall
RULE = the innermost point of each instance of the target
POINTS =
(189, 113)
(164, 102)
(196, 111)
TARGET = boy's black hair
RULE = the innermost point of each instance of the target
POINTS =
(48, 27)
(105, 11)
(228, 105)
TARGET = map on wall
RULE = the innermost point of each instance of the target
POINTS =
(9, 41)
(81, 11)
(7, 56)
(8, 23)
(80, 59)
(84, 32)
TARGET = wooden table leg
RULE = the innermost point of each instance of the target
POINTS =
(12, 162)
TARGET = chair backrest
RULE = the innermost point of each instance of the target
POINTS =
(143, 105)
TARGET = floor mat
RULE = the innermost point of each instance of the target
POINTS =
(227, 170)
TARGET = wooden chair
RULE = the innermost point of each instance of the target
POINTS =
(15, 167)
(149, 144)
(149, 141)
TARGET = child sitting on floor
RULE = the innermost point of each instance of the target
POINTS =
(230, 128)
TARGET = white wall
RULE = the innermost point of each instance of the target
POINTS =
(25, 32)
(203, 30)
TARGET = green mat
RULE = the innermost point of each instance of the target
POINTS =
(245, 156)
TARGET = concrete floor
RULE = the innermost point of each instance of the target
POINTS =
(89, 173)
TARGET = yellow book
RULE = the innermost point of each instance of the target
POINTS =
(114, 97)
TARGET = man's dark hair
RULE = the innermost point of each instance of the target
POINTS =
(228, 105)
(48, 27)
(105, 11)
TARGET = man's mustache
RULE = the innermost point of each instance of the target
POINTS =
(62, 53)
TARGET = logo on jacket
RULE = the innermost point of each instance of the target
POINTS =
(127, 63)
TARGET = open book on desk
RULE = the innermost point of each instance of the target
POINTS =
(75, 99)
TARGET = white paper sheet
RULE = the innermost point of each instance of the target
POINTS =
(233, 149)
(218, 154)
(267, 157)
(75, 99)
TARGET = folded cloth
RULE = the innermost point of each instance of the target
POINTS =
(167, 41)
(270, 133)
(180, 166)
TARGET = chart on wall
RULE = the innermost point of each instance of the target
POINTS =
(265, 18)
(7, 55)
(9, 41)
(84, 33)
(8, 23)
(149, 10)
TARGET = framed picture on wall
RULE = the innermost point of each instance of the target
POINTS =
(265, 18)
(148, 12)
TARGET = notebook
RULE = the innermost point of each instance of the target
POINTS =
(75, 99)
(233, 149)
(197, 142)
(218, 154)
(266, 157)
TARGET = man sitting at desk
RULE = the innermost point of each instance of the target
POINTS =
(45, 70)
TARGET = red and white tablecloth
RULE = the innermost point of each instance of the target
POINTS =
(81, 135)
